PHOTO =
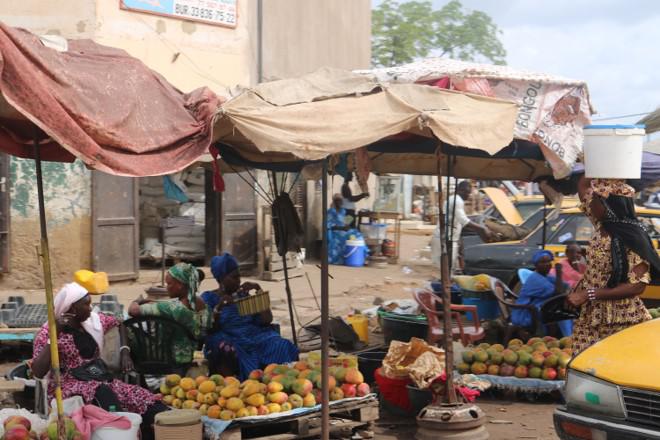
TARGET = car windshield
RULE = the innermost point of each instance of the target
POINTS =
(575, 227)
(528, 208)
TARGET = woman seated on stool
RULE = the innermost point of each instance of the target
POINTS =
(80, 335)
(539, 287)
(184, 307)
(237, 344)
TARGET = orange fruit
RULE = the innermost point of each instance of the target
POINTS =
(200, 379)
(187, 384)
(207, 386)
(213, 412)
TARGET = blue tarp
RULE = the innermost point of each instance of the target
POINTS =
(518, 149)
(526, 385)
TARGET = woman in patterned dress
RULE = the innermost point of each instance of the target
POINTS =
(620, 260)
(79, 342)
(184, 307)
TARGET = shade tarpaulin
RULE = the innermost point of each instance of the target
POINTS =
(310, 118)
(97, 104)
(552, 110)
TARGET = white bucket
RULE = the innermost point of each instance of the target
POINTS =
(613, 151)
(120, 434)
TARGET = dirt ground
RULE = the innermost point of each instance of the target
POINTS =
(356, 289)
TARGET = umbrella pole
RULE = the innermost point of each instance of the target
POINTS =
(450, 393)
(325, 311)
(289, 298)
(545, 223)
(287, 284)
(48, 284)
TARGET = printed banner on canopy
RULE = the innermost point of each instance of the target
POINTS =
(551, 116)
(218, 12)
(552, 110)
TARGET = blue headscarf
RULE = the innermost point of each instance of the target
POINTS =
(540, 254)
(223, 265)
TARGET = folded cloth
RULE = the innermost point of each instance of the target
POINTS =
(89, 418)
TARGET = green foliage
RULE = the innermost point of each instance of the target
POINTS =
(402, 32)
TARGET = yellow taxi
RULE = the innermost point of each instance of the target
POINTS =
(613, 389)
(517, 209)
(502, 260)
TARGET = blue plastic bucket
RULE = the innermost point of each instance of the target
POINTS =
(354, 253)
(487, 306)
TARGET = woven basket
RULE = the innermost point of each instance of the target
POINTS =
(257, 303)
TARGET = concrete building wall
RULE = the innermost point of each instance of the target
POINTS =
(188, 54)
(68, 18)
(300, 36)
(68, 209)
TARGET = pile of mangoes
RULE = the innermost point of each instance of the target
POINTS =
(278, 388)
(541, 358)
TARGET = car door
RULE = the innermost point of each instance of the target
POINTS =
(651, 295)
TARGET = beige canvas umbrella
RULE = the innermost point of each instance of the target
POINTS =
(292, 124)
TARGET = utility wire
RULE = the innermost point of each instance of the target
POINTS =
(622, 116)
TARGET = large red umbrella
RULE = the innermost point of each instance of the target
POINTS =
(68, 99)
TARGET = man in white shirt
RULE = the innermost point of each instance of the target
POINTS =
(455, 209)
(350, 200)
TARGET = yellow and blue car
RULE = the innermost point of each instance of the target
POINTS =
(502, 260)
(613, 389)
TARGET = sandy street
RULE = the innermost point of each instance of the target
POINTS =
(356, 289)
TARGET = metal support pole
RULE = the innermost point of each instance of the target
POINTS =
(545, 223)
(289, 297)
(48, 285)
(325, 311)
(450, 393)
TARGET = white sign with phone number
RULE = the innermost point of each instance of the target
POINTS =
(220, 12)
(215, 11)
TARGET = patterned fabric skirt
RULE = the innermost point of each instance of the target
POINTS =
(133, 398)
(598, 321)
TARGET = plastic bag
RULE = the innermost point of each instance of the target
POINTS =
(401, 358)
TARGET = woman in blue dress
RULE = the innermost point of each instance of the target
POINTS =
(237, 344)
(539, 287)
(338, 231)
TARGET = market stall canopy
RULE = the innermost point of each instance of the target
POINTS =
(283, 125)
(97, 104)
(651, 121)
(552, 110)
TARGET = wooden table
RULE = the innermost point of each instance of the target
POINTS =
(397, 217)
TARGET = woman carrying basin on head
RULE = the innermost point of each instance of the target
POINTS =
(620, 260)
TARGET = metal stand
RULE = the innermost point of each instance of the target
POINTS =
(451, 422)
(448, 418)
(325, 312)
